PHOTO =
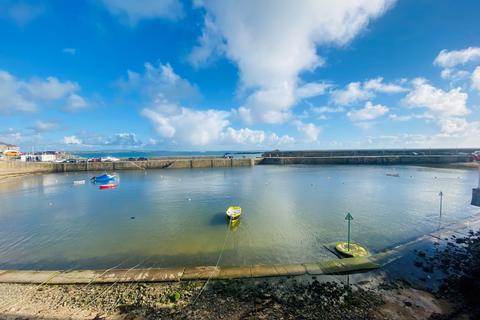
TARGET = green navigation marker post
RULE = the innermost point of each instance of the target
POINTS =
(349, 218)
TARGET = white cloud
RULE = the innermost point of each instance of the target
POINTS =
(249, 137)
(187, 126)
(163, 89)
(357, 91)
(50, 89)
(124, 139)
(11, 96)
(44, 126)
(476, 79)
(71, 51)
(377, 85)
(409, 117)
(351, 94)
(71, 140)
(453, 125)
(312, 89)
(367, 113)
(136, 10)
(76, 102)
(160, 82)
(245, 136)
(20, 95)
(326, 109)
(453, 74)
(441, 103)
(210, 44)
(449, 59)
(272, 42)
(456, 133)
(309, 130)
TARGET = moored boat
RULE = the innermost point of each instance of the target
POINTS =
(233, 213)
(104, 178)
(108, 186)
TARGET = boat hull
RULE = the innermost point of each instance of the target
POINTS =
(108, 186)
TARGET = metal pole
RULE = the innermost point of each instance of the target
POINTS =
(348, 241)
(441, 203)
(478, 176)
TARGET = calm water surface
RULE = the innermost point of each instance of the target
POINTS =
(290, 212)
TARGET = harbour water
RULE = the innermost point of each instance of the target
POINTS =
(166, 218)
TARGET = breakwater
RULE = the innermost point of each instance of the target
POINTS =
(466, 152)
(373, 160)
(17, 167)
(366, 156)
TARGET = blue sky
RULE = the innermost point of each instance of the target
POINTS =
(245, 75)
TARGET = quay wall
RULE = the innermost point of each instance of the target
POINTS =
(373, 160)
(18, 167)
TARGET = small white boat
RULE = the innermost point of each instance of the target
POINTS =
(77, 182)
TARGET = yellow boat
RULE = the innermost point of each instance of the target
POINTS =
(233, 213)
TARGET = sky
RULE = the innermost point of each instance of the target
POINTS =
(239, 75)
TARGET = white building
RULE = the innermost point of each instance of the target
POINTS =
(42, 157)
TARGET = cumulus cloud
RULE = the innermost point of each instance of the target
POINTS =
(455, 133)
(326, 109)
(272, 42)
(409, 117)
(367, 113)
(312, 89)
(136, 10)
(71, 140)
(160, 82)
(76, 102)
(21, 95)
(450, 59)
(49, 89)
(309, 130)
(164, 93)
(44, 126)
(351, 94)
(453, 74)
(185, 125)
(123, 139)
(476, 79)
(11, 95)
(246, 136)
(437, 101)
(356, 91)
(447, 108)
